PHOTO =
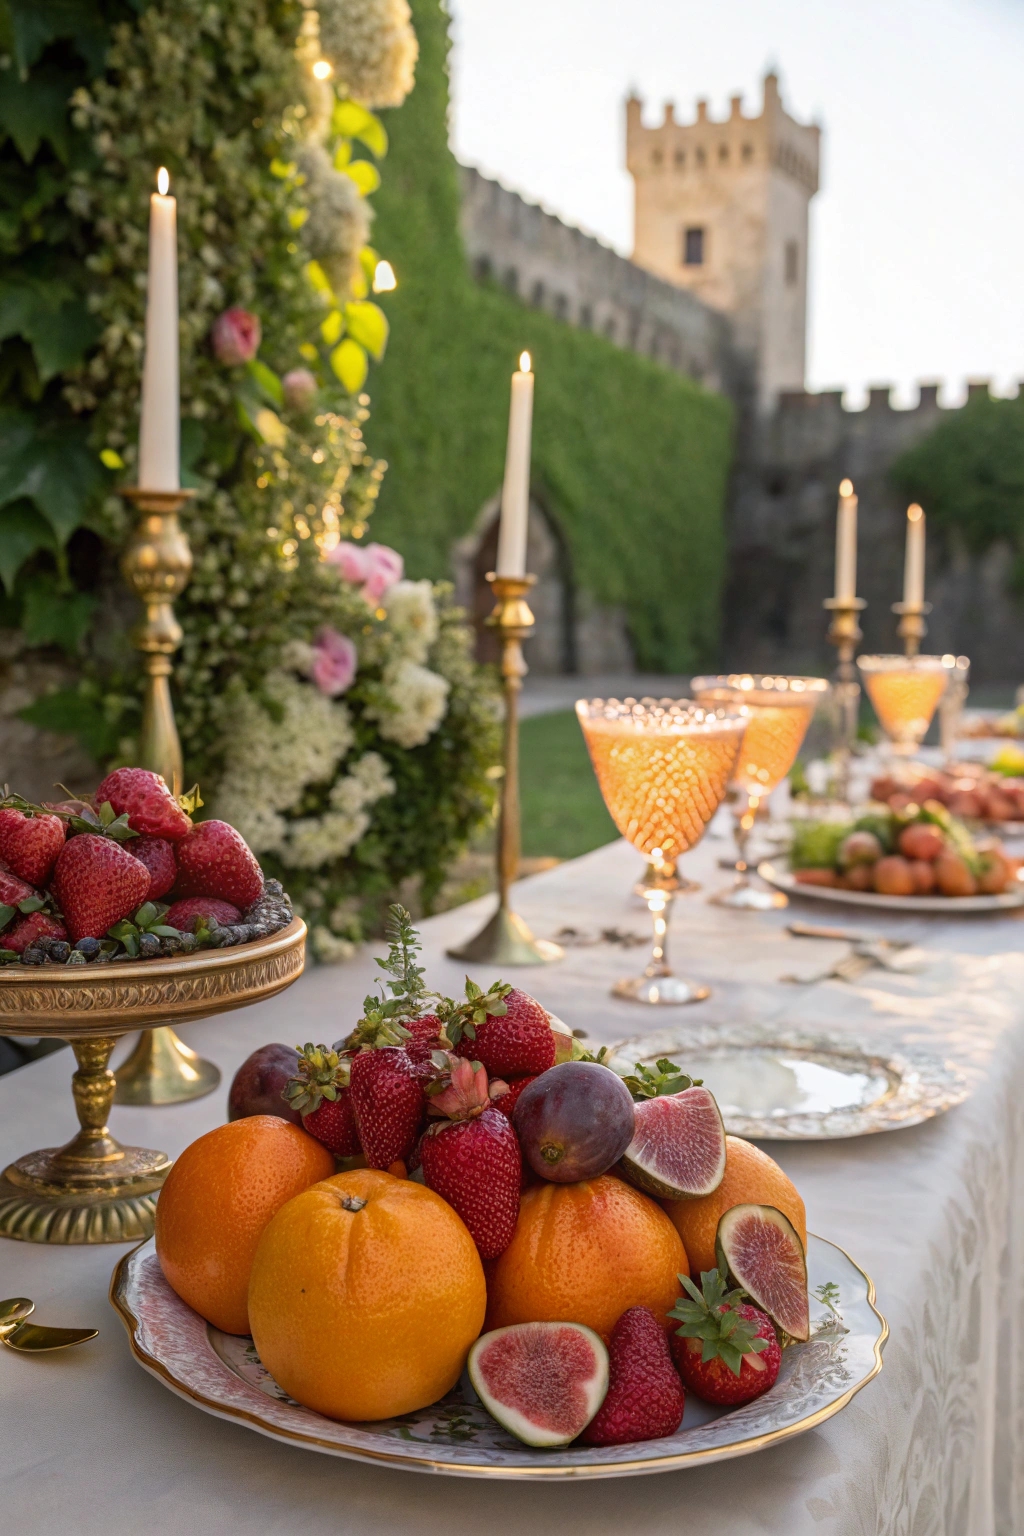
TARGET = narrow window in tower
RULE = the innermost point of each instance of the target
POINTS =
(537, 296)
(748, 153)
(680, 159)
(586, 318)
(656, 157)
(701, 156)
(792, 263)
(723, 152)
(693, 247)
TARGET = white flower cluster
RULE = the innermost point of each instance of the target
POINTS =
(269, 761)
(338, 225)
(316, 840)
(373, 48)
(412, 617)
(413, 703)
(328, 948)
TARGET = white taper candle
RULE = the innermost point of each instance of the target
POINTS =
(913, 564)
(159, 426)
(846, 543)
(515, 492)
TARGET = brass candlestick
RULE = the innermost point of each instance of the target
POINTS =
(157, 564)
(505, 939)
(912, 627)
(844, 633)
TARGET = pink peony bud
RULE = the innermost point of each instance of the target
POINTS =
(386, 566)
(300, 388)
(466, 1095)
(236, 337)
(334, 663)
(352, 562)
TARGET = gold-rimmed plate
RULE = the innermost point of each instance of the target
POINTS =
(222, 1374)
(784, 880)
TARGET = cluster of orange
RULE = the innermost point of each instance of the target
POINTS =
(364, 1291)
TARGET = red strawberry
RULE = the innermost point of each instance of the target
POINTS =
(320, 1092)
(37, 925)
(389, 1104)
(183, 913)
(506, 1102)
(516, 1043)
(29, 845)
(726, 1351)
(645, 1397)
(215, 860)
(13, 890)
(158, 856)
(147, 801)
(97, 883)
(472, 1159)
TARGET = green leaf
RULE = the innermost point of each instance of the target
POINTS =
(35, 109)
(22, 531)
(51, 463)
(368, 324)
(53, 617)
(6, 913)
(111, 460)
(343, 154)
(270, 427)
(365, 176)
(319, 281)
(266, 381)
(349, 120)
(70, 713)
(350, 364)
(31, 904)
(332, 327)
(35, 23)
(46, 313)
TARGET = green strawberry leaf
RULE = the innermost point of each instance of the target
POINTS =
(6, 913)
(31, 904)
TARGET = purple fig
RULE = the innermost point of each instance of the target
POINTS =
(257, 1085)
(574, 1121)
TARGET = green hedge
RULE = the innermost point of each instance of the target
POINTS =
(631, 459)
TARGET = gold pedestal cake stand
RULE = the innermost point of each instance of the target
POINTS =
(94, 1190)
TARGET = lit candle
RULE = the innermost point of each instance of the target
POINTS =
(158, 427)
(913, 564)
(515, 492)
(846, 543)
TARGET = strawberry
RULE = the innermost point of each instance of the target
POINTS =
(146, 800)
(726, 1351)
(506, 1102)
(472, 1158)
(645, 1397)
(215, 860)
(13, 889)
(37, 925)
(183, 913)
(320, 1092)
(29, 845)
(158, 856)
(388, 1103)
(505, 1029)
(97, 883)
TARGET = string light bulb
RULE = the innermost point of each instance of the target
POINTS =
(322, 70)
(384, 279)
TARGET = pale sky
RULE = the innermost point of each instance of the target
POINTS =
(917, 236)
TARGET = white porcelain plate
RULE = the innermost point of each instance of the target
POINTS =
(783, 880)
(222, 1374)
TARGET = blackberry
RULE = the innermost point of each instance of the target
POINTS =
(149, 945)
(32, 955)
(90, 948)
(186, 943)
(60, 951)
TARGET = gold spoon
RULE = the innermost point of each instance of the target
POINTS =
(31, 1338)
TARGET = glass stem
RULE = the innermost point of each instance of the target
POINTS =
(659, 904)
(743, 828)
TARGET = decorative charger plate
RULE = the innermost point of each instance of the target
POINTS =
(784, 881)
(783, 1085)
(222, 1374)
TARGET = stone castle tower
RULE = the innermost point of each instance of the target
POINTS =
(721, 208)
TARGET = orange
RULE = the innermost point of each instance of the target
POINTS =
(366, 1294)
(218, 1197)
(585, 1253)
(751, 1177)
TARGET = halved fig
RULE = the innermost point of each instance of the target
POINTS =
(543, 1382)
(759, 1248)
(678, 1146)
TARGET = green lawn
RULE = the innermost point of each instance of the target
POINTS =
(563, 813)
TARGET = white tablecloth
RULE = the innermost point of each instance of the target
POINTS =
(92, 1445)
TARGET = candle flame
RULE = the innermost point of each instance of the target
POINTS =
(384, 279)
(846, 487)
(914, 513)
(322, 70)
(163, 181)
(524, 362)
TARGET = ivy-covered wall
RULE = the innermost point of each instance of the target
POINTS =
(631, 459)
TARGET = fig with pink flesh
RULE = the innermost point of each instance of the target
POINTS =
(543, 1382)
(256, 1086)
(759, 1248)
(678, 1146)
(574, 1121)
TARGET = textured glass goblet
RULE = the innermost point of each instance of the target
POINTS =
(779, 711)
(663, 767)
(904, 691)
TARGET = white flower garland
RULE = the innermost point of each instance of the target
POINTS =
(372, 46)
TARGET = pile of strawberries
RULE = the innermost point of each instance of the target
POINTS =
(82, 882)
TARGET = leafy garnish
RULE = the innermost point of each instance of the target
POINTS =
(146, 920)
(666, 1078)
(461, 1020)
(382, 1021)
(712, 1316)
(828, 1295)
(321, 1074)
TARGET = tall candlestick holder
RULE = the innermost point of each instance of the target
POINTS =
(844, 632)
(912, 627)
(505, 940)
(156, 564)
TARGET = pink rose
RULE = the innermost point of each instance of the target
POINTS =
(386, 566)
(334, 662)
(236, 337)
(352, 562)
(300, 388)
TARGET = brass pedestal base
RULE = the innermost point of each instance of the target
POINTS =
(744, 897)
(41, 1201)
(162, 1070)
(660, 991)
(506, 940)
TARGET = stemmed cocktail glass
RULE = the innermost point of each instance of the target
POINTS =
(779, 711)
(905, 691)
(663, 767)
